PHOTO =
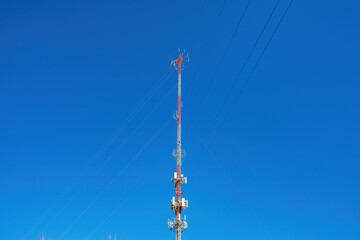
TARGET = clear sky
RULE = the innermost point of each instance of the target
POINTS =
(271, 129)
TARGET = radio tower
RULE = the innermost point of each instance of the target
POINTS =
(178, 224)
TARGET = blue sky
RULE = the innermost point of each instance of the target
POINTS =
(271, 134)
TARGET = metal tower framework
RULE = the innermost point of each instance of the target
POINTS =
(178, 224)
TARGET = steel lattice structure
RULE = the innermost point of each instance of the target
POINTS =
(178, 204)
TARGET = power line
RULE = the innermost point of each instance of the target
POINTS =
(224, 54)
(253, 69)
(259, 59)
(100, 151)
(136, 129)
(120, 146)
(245, 63)
(248, 57)
(220, 63)
(246, 81)
(121, 204)
(211, 35)
(114, 179)
(228, 46)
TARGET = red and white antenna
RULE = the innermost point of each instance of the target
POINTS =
(178, 224)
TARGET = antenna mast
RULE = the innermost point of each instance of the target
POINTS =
(178, 224)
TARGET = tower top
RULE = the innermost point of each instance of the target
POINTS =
(178, 63)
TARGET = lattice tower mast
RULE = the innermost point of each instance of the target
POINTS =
(178, 224)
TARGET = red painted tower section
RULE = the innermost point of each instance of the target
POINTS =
(178, 166)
